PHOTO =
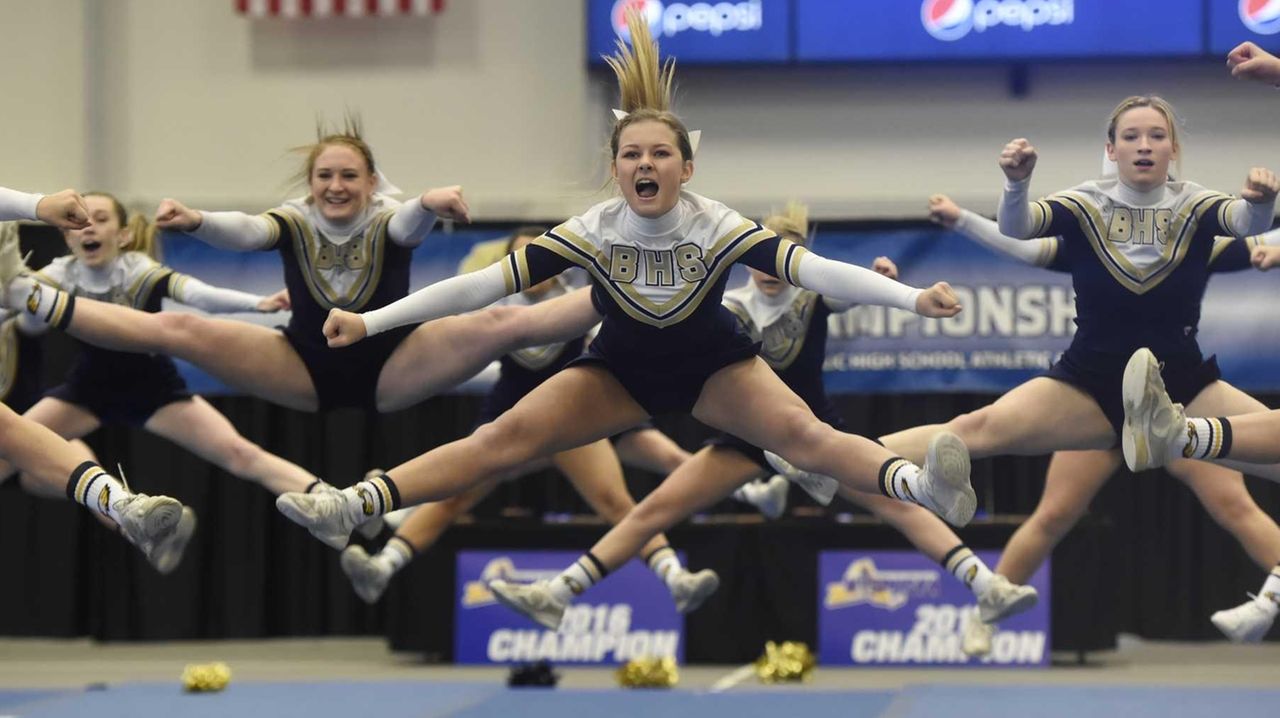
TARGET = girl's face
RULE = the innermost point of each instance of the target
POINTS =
(104, 238)
(648, 168)
(1143, 148)
(341, 183)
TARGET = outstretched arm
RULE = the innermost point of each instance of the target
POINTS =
(64, 210)
(219, 300)
(464, 293)
(413, 220)
(947, 213)
(847, 283)
(236, 231)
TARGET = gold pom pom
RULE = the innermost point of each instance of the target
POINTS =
(205, 677)
(790, 661)
(649, 673)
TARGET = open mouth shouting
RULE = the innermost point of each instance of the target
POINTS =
(646, 188)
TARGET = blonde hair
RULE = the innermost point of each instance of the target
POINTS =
(142, 234)
(348, 135)
(792, 222)
(645, 85)
(1155, 102)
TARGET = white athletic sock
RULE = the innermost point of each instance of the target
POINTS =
(397, 553)
(666, 564)
(1269, 594)
(582, 574)
(41, 305)
(965, 565)
(92, 487)
(1203, 439)
(900, 479)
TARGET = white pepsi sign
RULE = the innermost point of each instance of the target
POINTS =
(1231, 22)
(747, 31)
(996, 29)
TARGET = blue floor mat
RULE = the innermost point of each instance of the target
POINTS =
(423, 699)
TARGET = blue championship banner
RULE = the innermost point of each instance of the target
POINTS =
(898, 608)
(628, 615)
(1017, 318)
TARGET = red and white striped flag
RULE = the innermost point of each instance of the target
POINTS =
(337, 8)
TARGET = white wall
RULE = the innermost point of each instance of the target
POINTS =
(154, 98)
(42, 100)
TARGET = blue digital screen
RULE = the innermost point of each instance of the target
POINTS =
(1231, 22)
(829, 30)
(749, 31)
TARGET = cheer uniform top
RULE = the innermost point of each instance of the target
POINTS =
(360, 266)
(124, 387)
(1139, 264)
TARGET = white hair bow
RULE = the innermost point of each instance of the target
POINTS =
(695, 136)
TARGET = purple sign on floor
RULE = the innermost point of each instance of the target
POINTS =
(628, 615)
(898, 608)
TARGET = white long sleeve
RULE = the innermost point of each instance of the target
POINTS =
(854, 285)
(18, 205)
(1246, 219)
(1268, 239)
(206, 297)
(1036, 252)
(411, 223)
(456, 295)
(1014, 214)
(234, 230)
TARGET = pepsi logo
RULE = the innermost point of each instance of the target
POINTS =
(1261, 16)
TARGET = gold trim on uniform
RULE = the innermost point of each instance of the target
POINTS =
(1220, 245)
(778, 348)
(1048, 252)
(726, 250)
(536, 358)
(1041, 217)
(8, 356)
(273, 230)
(788, 262)
(1138, 280)
(140, 291)
(515, 271)
(312, 250)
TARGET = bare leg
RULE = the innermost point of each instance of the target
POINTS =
(255, 359)
(595, 472)
(1223, 494)
(748, 400)
(441, 354)
(69, 422)
(429, 521)
(1073, 480)
(198, 427)
(651, 450)
(925, 531)
(575, 407)
(36, 450)
(710, 475)
(1038, 417)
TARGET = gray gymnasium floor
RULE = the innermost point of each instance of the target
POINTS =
(330, 677)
